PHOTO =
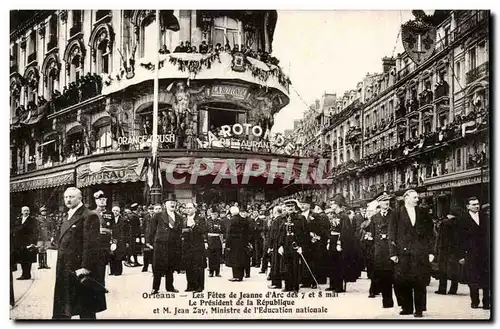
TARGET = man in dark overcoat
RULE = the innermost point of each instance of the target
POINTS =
(194, 243)
(447, 251)
(275, 274)
(77, 256)
(475, 252)
(165, 240)
(315, 244)
(334, 253)
(216, 231)
(382, 265)
(411, 249)
(237, 240)
(25, 237)
(120, 239)
(258, 238)
(291, 241)
(366, 241)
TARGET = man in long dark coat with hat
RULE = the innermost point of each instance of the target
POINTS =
(216, 231)
(77, 257)
(106, 221)
(194, 243)
(350, 251)
(134, 235)
(291, 241)
(315, 244)
(275, 274)
(165, 240)
(383, 266)
(238, 234)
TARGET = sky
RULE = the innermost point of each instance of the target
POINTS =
(331, 51)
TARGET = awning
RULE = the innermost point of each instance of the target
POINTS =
(51, 180)
(109, 172)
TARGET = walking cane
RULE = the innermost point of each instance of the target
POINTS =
(310, 271)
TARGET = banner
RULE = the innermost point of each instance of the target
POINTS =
(114, 171)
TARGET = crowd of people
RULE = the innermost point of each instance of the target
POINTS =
(295, 244)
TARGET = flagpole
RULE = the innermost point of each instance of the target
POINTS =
(156, 188)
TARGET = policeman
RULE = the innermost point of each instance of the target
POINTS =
(291, 240)
(106, 219)
(215, 239)
(43, 238)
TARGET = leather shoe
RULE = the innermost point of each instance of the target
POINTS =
(218, 275)
(234, 280)
(474, 305)
(144, 270)
(199, 290)
(262, 272)
(274, 287)
(154, 291)
(211, 275)
(188, 290)
(418, 315)
(388, 306)
(371, 296)
(405, 313)
(440, 292)
(486, 307)
(329, 289)
(23, 278)
(452, 292)
(172, 289)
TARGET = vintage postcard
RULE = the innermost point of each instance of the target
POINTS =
(250, 164)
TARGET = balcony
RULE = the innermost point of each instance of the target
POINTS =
(425, 98)
(477, 73)
(77, 28)
(52, 44)
(32, 57)
(400, 111)
(209, 66)
(443, 89)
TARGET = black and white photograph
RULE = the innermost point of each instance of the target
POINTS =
(234, 164)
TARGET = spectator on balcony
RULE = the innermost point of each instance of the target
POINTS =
(227, 48)
(187, 46)
(164, 50)
(180, 48)
(146, 128)
(203, 47)
(218, 48)
(193, 50)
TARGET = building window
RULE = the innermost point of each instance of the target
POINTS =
(446, 36)
(103, 57)
(427, 126)
(101, 14)
(75, 69)
(459, 158)
(472, 59)
(226, 30)
(32, 47)
(52, 41)
(458, 72)
(382, 143)
(103, 140)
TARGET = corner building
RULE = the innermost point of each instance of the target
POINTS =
(81, 102)
(424, 127)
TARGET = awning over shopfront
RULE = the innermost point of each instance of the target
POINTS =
(51, 180)
(460, 179)
(109, 172)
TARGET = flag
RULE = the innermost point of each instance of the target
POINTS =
(468, 128)
(149, 177)
(157, 166)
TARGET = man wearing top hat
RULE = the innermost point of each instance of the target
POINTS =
(291, 241)
(43, 238)
(165, 240)
(315, 244)
(106, 220)
(134, 235)
(383, 266)
(25, 237)
(411, 249)
(78, 257)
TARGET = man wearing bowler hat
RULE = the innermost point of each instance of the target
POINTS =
(165, 240)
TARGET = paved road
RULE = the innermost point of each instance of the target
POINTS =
(129, 298)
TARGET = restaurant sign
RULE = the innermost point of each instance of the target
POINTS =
(229, 91)
(114, 171)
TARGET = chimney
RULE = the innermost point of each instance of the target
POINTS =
(388, 63)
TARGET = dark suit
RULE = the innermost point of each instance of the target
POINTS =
(193, 252)
(78, 248)
(148, 253)
(106, 219)
(23, 235)
(258, 241)
(165, 237)
(237, 245)
(276, 259)
(412, 245)
(215, 229)
(120, 236)
(314, 249)
(475, 248)
(447, 251)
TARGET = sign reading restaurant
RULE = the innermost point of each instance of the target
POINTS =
(228, 90)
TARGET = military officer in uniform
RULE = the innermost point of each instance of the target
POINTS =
(275, 274)
(134, 234)
(106, 220)
(43, 238)
(292, 238)
(215, 238)
(146, 222)
(383, 266)
(334, 256)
